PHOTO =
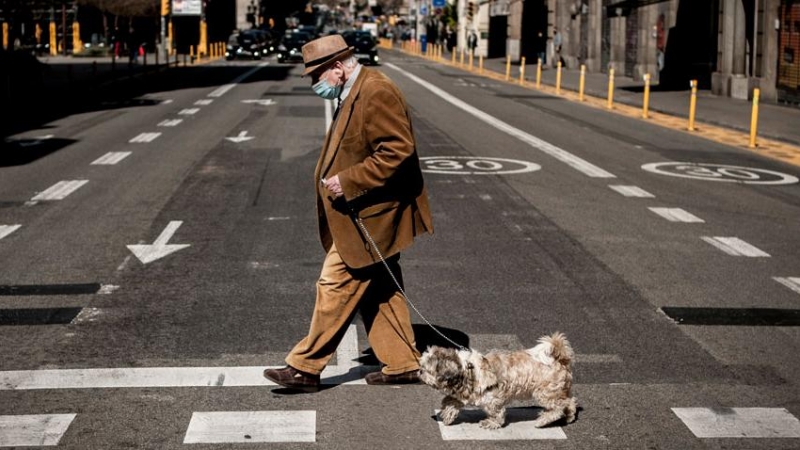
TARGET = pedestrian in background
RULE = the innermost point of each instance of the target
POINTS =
(368, 173)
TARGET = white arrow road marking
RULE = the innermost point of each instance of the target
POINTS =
(35, 141)
(631, 191)
(204, 102)
(265, 102)
(792, 283)
(251, 426)
(735, 247)
(170, 123)
(159, 248)
(110, 158)
(33, 430)
(240, 138)
(5, 230)
(189, 111)
(145, 137)
(677, 215)
(560, 154)
(60, 190)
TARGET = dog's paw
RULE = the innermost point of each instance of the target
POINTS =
(448, 415)
(490, 424)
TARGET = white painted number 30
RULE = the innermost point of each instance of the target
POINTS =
(475, 165)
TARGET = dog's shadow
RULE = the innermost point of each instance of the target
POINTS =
(425, 337)
(473, 416)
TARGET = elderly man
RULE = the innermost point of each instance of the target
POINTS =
(368, 174)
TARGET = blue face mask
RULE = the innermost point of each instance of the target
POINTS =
(325, 90)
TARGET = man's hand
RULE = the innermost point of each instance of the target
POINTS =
(333, 186)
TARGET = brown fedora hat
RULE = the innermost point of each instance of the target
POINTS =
(324, 50)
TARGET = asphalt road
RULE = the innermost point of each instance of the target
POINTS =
(677, 284)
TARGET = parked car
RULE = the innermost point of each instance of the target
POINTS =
(246, 44)
(289, 49)
(365, 44)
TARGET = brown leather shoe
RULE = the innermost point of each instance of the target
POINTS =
(380, 378)
(292, 378)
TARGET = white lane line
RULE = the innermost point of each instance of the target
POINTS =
(204, 102)
(792, 283)
(5, 230)
(251, 426)
(145, 137)
(220, 91)
(735, 247)
(110, 158)
(188, 111)
(518, 427)
(739, 422)
(677, 215)
(562, 155)
(170, 122)
(631, 191)
(33, 430)
(60, 190)
(598, 358)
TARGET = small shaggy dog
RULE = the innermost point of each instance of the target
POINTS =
(542, 373)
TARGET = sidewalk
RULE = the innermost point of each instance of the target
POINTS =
(777, 122)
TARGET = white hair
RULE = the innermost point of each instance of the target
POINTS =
(350, 62)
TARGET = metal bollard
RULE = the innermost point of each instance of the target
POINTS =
(522, 72)
(461, 58)
(539, 74)
(754, 118)
(480, 64)
(453, 52)
(692, 104)
(582, 85)
(610, 104)
(558, 78)
(471, 58)
(508, 67)
(646, 101)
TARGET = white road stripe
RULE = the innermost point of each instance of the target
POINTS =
(5, 230)
(562, 155)
(33, 430)
(170, 122)
(251, 426)
(735, 246)
(204, 102)
(792, 283)
(59, 190)
(220, 91)
(677, 215)
(518, 427)
(739, 422)
(110, 158)
(631, 191)
(188, 111)
(145, 137)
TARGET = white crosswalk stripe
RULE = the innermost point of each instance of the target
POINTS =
(677, 215)
(792, 283)
(144, 138)
(60, 190)
(735, 247)
(631, 191)
(33, 430)
(5, 230)
(740, 422)
(251, 426)
(518, 427)
(110, 158)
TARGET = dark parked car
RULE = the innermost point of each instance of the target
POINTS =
(365, 44)
(246, 44)
(290, 48)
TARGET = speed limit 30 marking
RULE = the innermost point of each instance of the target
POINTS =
(720, 172)
(475, 165)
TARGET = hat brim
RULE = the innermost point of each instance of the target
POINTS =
(311, 66)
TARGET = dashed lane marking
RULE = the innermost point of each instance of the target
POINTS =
(739, 422)
(792, 283)
(518, 427)
(735, 247)
(251, 426)
(677, 215)
(188, 111)
(33, 430)
(5, 230)
(59, 191)
(145, 138)
(631, 191)
(110, 158)
(170, 122)
(220, 91)
(204, 102)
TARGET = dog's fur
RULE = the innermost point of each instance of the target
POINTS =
(542, 373)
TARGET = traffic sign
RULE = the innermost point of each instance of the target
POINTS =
(423, 10)
(439, 3)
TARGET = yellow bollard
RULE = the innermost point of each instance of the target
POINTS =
(582, 85)
(53, 40)
(558, 78)
(5, 35)
(480, 64)
(453, 52)
(461, 58)
(646, 101)
(610, 104)
(539, 74)
(522, 72)
(508, 67)
(471, 58)
(754, 118)
(692, 104)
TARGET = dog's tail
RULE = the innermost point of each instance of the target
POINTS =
(560, 348)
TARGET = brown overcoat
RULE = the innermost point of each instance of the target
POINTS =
(371, 148)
